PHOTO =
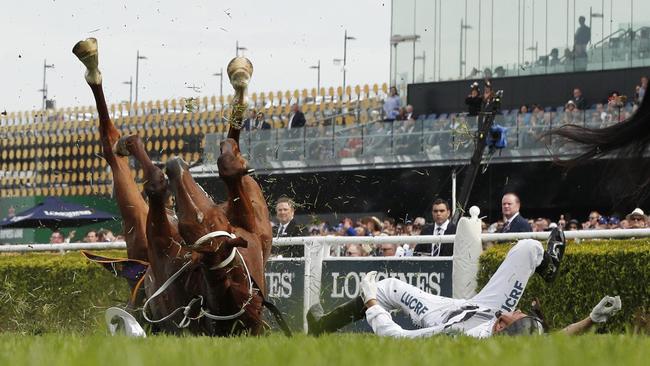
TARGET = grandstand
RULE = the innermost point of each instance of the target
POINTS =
(58, 152)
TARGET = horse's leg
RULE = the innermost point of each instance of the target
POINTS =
(132, 206)
(164, 248)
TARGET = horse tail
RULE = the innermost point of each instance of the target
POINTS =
(629, 138)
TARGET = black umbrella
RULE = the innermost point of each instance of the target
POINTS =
(54, 213)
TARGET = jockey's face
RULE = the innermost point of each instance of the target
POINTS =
(506, 319)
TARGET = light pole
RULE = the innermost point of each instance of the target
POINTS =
(463, 29)
(424, 63)
(44, 90)
(317, 67)
(130, 84)
(345, 51)
(600, 15)
(137, 70)
(238, 48)
(394, 41)
(220, 75)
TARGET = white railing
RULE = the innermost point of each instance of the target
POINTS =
(341, 240)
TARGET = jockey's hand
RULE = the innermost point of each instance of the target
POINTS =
(369, 286)
(607, 307)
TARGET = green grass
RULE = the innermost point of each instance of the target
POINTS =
(338, 349)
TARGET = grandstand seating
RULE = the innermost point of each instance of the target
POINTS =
(58, 152)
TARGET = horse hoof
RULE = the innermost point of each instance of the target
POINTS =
(86, 52)
(120, 147)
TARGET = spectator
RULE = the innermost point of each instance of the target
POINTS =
(579, 100)
(474, 100)
(56, 237)
(554, 57)
(372, 225)
(354, 250)
(441, 226)
(541, 224)
(569, 113)
(287, 227)
(613, 222)
(260, 122)
(91, 237)
(392, 105)
(249, 123)
(389, 225)
(636, 219)
(105, 236)
(513, 221)
(388, 250)
(409, 114)
(594, 216)
(418, 224)
(581, 40)
(296, 117)
(573, 225)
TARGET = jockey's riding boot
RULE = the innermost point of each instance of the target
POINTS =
(336, 319)
(550, 265)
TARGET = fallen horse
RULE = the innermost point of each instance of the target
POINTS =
(200, 267)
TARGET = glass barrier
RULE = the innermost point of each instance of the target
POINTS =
(435, 139)
(438, 40)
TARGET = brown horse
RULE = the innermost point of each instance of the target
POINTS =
(209, 262)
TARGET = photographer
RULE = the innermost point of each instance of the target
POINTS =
(474, 100)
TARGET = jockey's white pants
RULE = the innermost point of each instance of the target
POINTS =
(502, 292)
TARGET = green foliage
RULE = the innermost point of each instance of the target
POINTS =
(335, 349)
(589, 270)
(48, 292)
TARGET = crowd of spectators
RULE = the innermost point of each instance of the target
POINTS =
(440, 224)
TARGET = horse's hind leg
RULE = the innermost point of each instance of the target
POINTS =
(132, 206)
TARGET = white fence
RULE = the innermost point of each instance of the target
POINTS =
(341, 240)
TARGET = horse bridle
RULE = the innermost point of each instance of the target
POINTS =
(186, 309)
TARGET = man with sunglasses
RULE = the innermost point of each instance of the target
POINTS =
(492, 311)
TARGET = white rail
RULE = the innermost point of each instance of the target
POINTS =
(341, 240)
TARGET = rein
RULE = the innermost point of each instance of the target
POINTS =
(185, 322)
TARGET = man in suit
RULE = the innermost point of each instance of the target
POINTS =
(260, 122)
(441, 226)
(296, 117)
(249, 123)
(287, 227)
(513, 222)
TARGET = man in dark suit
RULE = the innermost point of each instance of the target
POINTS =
(513, 222)
(249, 123)
(260, 122)
(287, 227)
(441, 226)
(296, 117)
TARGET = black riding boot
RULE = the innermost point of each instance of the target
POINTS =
(336, 319)
(550, 265)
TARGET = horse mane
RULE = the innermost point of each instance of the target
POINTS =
(627, 139)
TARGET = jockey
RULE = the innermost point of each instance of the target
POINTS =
(492, 311)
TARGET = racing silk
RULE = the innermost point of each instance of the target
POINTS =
(471, 321)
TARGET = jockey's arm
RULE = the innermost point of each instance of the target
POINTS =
(578, 327)
(607, 307)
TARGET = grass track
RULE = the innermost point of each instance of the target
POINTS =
(338, 349)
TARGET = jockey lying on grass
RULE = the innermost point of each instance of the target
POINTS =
(492, 311)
